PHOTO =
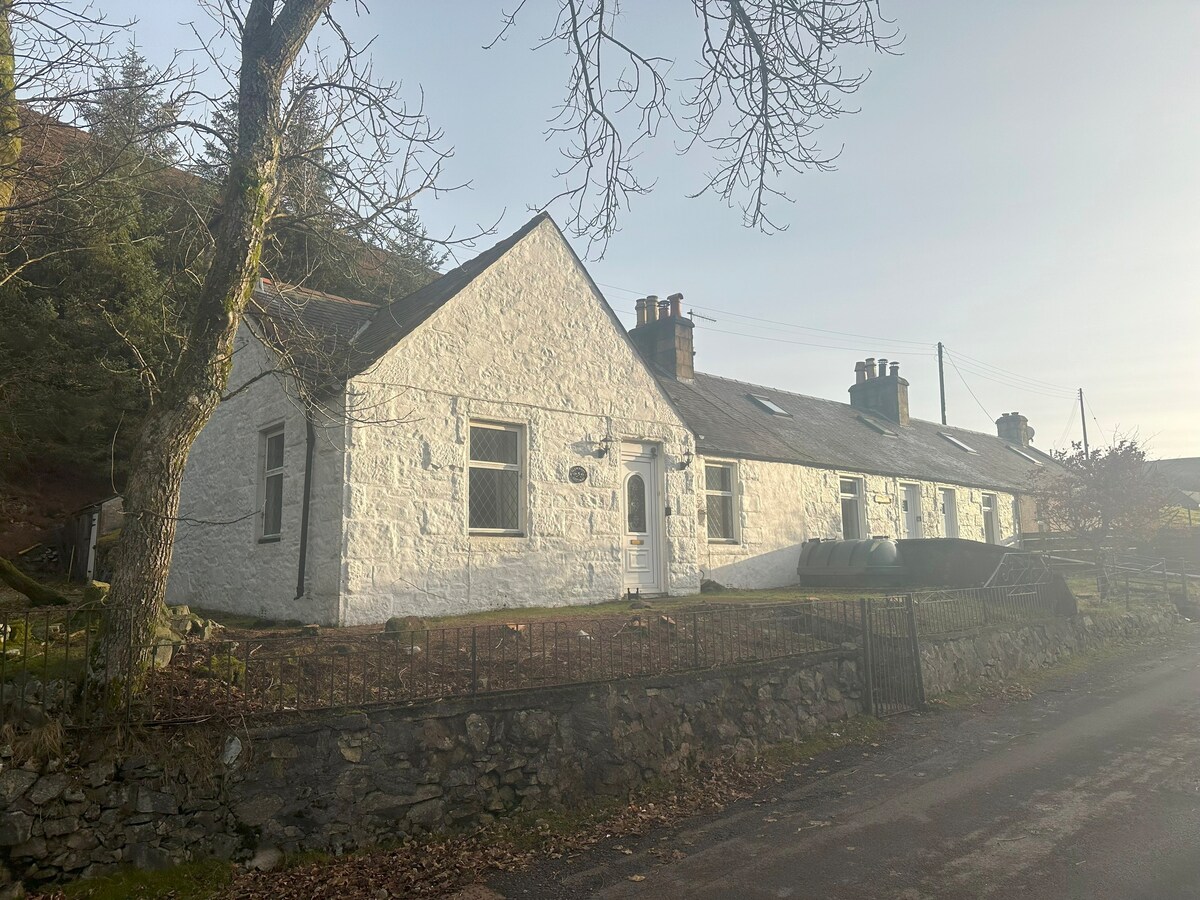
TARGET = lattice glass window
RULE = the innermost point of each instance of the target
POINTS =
(495, 479)
(271, 452)
(718, 499)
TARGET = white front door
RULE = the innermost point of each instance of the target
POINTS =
(949, 503)
(641, 542)
(911, 504)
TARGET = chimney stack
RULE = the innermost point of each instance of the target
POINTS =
(664, 336)
(884, 394)
(1014, 428)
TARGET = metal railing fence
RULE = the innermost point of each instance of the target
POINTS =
(948, 611)
(45, 658)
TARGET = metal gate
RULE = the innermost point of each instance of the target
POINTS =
(891, 656)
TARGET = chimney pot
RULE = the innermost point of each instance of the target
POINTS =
(663, 336)
(1014, 428)
(878, 394)
(676, 301)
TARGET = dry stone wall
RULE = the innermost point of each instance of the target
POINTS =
(340, 782)
(960, 661)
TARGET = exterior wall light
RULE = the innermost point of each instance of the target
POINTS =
(687, 459)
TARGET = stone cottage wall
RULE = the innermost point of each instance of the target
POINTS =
(528, 343)
(337, 782)
(218, 561)
(780, 506)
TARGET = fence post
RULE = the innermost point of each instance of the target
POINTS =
(916, 650)
(864, 616)
(695, 643)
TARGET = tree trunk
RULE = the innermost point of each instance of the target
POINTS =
(10, 123)
(141, 560)
(38, 593)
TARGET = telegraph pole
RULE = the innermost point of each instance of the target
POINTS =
(1083, 419)
(942, 381)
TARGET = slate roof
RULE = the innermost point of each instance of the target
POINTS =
(828, 434)
(1184, 473)
(332, 338)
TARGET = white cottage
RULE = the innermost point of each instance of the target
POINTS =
(498, 439)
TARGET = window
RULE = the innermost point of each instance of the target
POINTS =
(635, 505)
(1029, 456)
(494, 479)
(990, 529)
(949, 504)
(854, 525)
(271, 490)
(718, 498)
(769, 405)
(877, 427)
(957, 443)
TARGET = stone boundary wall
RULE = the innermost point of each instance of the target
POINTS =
(340, 782)
(958, 661)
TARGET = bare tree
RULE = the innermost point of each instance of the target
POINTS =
(369, 132)
(768, 76)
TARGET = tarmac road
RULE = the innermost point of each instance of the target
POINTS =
(1089, 790)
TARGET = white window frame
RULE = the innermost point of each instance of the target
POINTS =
(732, 494)
(952, 519)
(859, 495)
(265, 474)
(768, 405)
(961, 445)
(519, 467)
(991, 513)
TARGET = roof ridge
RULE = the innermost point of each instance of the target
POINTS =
(764, 387)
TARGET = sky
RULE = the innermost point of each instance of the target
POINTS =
(1020, 182)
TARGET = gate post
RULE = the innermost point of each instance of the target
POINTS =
(864, 613)
(915, 643)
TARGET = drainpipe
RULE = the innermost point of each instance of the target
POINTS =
(310, 442)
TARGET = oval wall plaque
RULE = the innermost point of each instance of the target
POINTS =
(578, 474)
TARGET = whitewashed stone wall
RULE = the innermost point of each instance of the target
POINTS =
(530, 343)
(780, 506)
(218, 561)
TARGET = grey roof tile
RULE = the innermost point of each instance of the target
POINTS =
(828, 434)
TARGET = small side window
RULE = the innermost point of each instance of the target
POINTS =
(272, 445)
(719, 505)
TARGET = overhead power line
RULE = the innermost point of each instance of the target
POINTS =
(849, 341)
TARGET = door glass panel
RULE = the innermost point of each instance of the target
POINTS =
(635, 504)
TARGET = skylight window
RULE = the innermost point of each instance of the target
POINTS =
(769, 405)
(1019, 452)
(877, 426)
(957, 443)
